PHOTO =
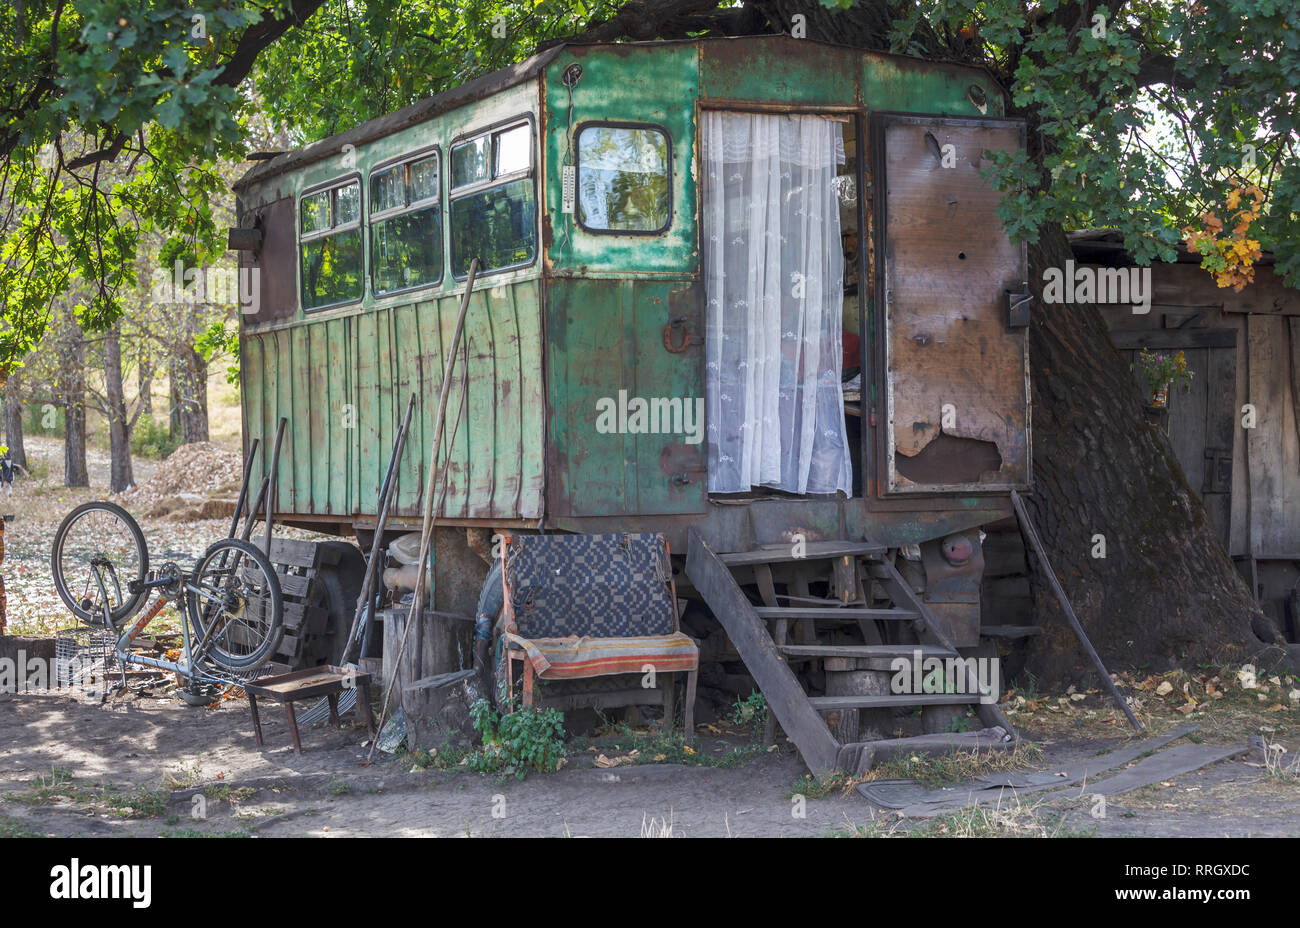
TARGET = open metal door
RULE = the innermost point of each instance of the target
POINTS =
(953, 330)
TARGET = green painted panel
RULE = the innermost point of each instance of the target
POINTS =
(531, 393)
(607, 353)
(768, 69)
(624, 84)
(407, 379)
(914, 86)
(284, 406)
(304, 427)
(481, 403)
(507, 439)
(372, 380)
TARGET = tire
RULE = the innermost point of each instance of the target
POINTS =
(129, 603)
(337, 588)
(266, 587)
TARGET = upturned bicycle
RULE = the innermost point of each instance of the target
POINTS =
(230, 602)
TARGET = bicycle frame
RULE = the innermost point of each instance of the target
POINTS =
(185, 669)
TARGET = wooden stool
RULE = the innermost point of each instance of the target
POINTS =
(312, 683)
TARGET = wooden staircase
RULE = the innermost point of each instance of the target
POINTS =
(872, 596)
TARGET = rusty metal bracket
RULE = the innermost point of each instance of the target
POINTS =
(688, 338)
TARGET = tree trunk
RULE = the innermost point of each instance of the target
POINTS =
(75, 473)
(120, 476)
(191, 380)
(144, 387)
(1166, 593)
(13, 403)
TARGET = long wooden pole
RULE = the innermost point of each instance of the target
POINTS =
(426, 527)
(381, 524)
(1036, 543)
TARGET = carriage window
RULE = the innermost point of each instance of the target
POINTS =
(329, 246)
(494, 202)
(623, 179)
(469, 162)
(405, 226)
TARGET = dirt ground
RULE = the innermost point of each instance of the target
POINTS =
(147, 766)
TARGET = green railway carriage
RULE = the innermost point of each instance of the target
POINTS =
(722, 225)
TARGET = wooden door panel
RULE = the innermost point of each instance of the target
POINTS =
(956, 374)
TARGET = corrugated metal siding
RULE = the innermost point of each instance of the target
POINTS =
(344, 383)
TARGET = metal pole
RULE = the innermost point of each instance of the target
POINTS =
(1028, 528)
(381, 523)
(243, 487)
(273, 482)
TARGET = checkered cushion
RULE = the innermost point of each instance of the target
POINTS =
(597, 586)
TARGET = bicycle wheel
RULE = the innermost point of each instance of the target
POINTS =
(98, 552)
(235, 605)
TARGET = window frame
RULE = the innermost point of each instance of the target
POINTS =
(444, 217)
(459, 193)
(359, 224)
(577, 176)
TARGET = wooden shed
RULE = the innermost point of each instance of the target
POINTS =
(1235, 431)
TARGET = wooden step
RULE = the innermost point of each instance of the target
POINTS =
(865, 650)
(831, 703)
(847, 614)
(813, 550)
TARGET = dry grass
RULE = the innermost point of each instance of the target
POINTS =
(1008, 818)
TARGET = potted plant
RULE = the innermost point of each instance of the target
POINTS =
(1162, 371)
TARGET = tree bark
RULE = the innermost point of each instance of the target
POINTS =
(1166, 594)
(13, 402)
(191, 383)
(75, 473)
(121, 475)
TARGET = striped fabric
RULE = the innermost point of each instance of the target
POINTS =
(574, 657)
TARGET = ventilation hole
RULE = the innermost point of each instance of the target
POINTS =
(961, 256)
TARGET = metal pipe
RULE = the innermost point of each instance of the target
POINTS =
(243, 487)
(273, 482)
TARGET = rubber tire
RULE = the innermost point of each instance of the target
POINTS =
(272, 641)
(337, 588)
(130, 604)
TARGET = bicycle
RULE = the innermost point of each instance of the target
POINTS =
(231, 604)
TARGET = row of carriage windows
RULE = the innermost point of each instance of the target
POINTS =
(623, 187)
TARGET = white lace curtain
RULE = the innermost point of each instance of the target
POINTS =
(774, 280)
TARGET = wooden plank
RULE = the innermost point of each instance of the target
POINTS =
(479, 424)
(1010, 631)
(295, 553)
(1136, 339)
(865, 650)
(408, 376)
(303, 421)
(1267, 442)
(945, 272)
(832, 703)
(812, 550)
(787, 700)
(533, 409)
(284, 408)
(834, 614)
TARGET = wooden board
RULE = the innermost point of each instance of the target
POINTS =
(948, 265)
